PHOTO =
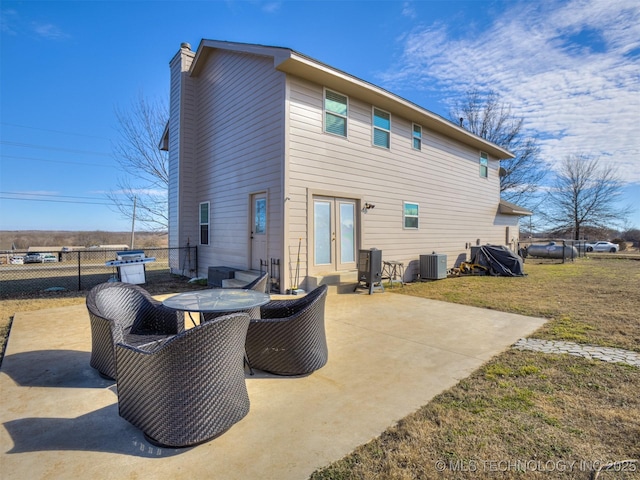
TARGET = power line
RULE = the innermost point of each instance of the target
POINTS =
(42, 147)
(49, 195)
(54, 201)
(53, 131)
(16, 157)
(24, 195)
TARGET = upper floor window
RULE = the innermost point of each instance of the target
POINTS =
(204, 223)
(484, 165)
(381, 128)
(417, 137)
(410, 215)
(335, 113)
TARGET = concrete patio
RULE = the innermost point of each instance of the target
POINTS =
(388, 355)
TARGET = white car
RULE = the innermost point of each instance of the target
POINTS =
(36, 257)
(33, 257)
(602, 247)
(16, 260)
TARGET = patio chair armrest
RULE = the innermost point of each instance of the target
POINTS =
(268, 321)
(151, 345)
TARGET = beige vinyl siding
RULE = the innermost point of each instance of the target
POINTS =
(239, 152)
(456, 206)
(181, 166)
(174, 160)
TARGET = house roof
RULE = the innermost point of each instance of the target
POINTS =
(295, 63)
(508, 208)
(164, 140)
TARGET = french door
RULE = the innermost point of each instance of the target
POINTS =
(334, 233)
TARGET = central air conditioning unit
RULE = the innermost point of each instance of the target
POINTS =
(433, 267)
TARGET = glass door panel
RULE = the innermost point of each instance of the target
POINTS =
(323, 232)
(347, 232)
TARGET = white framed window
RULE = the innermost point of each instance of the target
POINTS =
(410, 215)
(417, 137)
(336, 112)
(484, 165)
(204, 223)
(381, 128)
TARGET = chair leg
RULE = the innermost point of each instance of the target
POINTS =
(247, 364)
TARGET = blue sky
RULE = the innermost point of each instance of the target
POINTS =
(570, 68)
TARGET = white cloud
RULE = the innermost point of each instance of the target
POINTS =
(134, 191)
(7, 18)
(49, 31)
(270, 6)
(12, 23)
(570, 69)
(408, 10)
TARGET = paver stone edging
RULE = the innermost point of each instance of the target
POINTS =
(595, 352)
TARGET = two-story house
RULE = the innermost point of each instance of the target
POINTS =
(275, 155)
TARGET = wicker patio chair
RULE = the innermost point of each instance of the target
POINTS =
(121, 312)
(289, 338)
(259, 285)
(189, 388)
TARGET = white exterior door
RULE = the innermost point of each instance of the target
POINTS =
(258, 230)
(334, 234)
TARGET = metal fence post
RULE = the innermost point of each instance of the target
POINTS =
(79, 273)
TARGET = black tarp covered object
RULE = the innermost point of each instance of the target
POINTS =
(500, 261)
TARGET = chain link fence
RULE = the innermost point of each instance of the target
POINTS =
(84, 269)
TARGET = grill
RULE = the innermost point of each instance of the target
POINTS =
(130, 266)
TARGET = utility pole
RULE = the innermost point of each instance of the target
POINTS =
(133, 222)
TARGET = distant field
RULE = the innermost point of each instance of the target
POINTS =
(24, 239)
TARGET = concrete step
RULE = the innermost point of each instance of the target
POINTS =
(246, 276)
(240, 279)
(233, 283)
(338, 282)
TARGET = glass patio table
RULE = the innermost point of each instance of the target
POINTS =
(217, 300)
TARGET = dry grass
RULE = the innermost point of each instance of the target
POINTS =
(589, 300)
(524, 414)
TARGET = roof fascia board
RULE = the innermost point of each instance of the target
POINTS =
(279, 54)
(508, 208)
(164, 139)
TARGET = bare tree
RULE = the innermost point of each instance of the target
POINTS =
(585, 194)
(489, 117)
(145, 181)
